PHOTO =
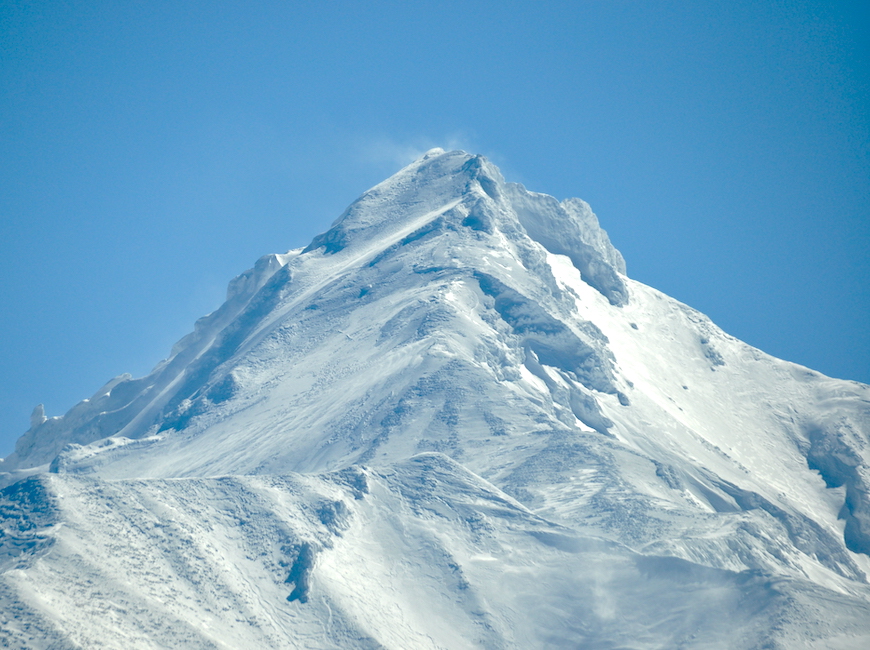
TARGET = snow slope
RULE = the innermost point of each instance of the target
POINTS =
(423, 554)
(552, 455)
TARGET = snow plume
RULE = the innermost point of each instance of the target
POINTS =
(387, 151)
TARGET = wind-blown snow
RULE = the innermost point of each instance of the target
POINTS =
(450, 421)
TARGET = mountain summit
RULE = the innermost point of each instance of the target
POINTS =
(450, 421)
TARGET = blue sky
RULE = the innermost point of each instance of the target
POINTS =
(151, 151)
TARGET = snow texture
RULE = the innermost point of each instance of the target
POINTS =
(451, 421)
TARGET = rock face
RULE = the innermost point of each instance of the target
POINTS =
(450, 421)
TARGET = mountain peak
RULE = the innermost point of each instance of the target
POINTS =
(474, 192)
(419, 190)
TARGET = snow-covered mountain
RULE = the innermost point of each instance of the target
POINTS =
(451, 421)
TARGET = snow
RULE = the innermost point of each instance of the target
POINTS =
(426, 554)
(451, 421)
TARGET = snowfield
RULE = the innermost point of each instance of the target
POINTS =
(452, 421)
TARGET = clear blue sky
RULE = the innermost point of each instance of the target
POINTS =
(151, 151)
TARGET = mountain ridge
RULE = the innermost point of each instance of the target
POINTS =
(465, 176)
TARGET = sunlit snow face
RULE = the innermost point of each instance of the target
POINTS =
(453, 398)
